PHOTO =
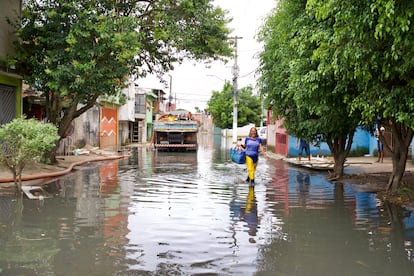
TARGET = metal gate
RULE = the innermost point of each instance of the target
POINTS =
(7, 103)
(136, 131)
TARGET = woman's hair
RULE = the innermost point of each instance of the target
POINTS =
(255, 130)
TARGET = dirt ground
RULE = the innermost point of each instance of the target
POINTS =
(375, 173)
(362, 172)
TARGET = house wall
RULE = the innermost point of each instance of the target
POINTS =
(123, 133)
(9, 9)
(86, 130)
(10, 83)
(271, 137)
(148, 130)
(323, 150)
(126, 115)
(280, 142)
(140, 116)
(277, 137)
(206, 122)
(361, 140)
(126, 112)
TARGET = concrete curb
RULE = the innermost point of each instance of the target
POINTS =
(62, 172)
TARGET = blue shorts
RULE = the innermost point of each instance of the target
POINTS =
(380, 146)
(304, 147)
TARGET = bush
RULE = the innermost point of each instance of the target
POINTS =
(23, 141)
(360, 151)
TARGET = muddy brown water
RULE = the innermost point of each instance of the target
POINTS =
(192, 214)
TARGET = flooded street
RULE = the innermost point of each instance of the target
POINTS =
(160, 213)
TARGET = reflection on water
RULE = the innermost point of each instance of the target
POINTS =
(191, 213)
(249, 215)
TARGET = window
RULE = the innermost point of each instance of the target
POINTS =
(140, 104)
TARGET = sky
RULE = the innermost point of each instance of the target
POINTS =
(192, 83)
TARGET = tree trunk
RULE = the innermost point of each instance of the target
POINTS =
(51, 155)
(19, 172)
(16, 183)
(17, 178)
(63, 125)
(339, 164)
(402, 137)
(340, 147)
(398, 169)
(63, 122)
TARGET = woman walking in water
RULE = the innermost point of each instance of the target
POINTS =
(253, 145)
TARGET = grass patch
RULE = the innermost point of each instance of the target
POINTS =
(403, 196)
(358, 152)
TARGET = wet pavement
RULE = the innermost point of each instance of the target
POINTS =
(157, 213)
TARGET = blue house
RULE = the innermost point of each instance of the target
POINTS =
(363, 142)
(279, 141)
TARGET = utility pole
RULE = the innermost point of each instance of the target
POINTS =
(235, 71)
(170, 98)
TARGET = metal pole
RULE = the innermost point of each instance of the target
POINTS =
(235, 103)
(170, 98)
(235, 70)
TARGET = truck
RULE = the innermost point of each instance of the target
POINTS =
(175, 133)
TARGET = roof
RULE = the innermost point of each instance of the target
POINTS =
(151, 94)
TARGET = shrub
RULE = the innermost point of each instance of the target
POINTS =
(23, 141)
(357, 152)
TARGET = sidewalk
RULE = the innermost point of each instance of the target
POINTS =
(361, 165)
(36, 173)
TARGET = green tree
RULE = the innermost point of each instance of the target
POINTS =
(221, 103)
(311, 99)
(24, 141)
(76, 51)
(374, 44)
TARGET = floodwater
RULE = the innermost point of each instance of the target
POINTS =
(158, 213)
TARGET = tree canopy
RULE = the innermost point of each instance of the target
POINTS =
(373, 42)
(311, 101)
(220, 106)
(76, 51)
(329, 66)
